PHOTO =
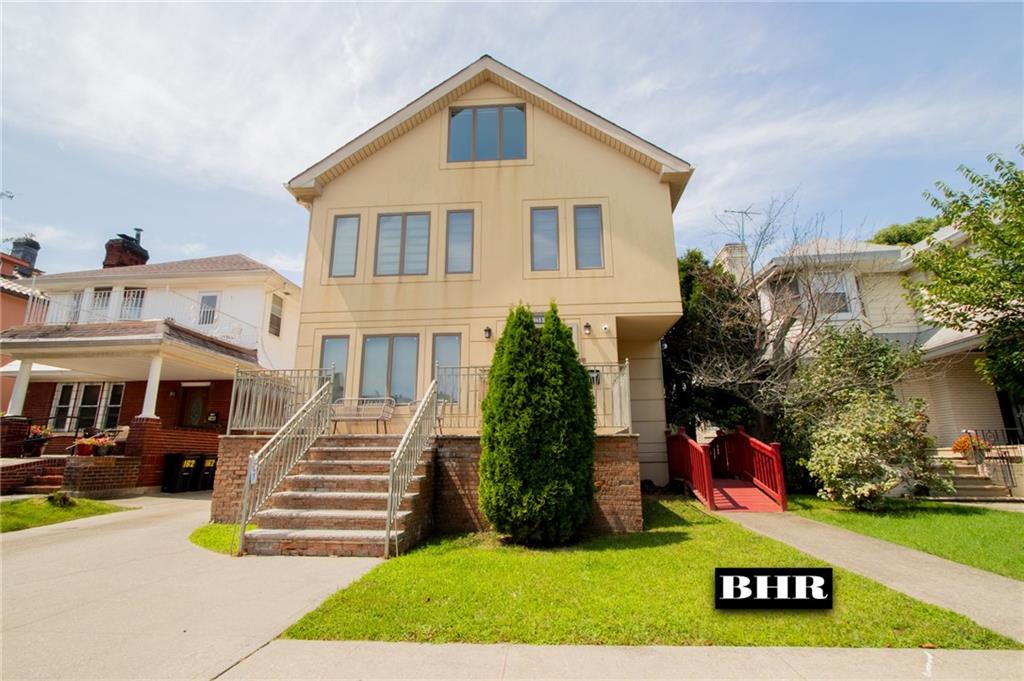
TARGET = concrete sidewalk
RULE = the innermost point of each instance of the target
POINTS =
(990, 600)
(126, 596)
(372, 660)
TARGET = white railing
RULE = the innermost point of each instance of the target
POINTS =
(269, 466)
(263, 400)
(134, 304)
(406, 459)
(461, 391)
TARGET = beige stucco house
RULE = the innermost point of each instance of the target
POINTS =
(859, 282)
(488, 190)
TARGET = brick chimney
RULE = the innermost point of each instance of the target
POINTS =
(126, 250)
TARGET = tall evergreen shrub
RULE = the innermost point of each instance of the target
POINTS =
(537, 459)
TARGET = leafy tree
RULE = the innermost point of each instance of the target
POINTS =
(980, 287)
(907, 233)
(537, 440)
(849, 362)
(706, 290)
(874, 447)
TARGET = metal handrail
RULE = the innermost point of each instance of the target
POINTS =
(264, 399)
(269, 466)
(463, 388)
(403, 463)
(990, 445)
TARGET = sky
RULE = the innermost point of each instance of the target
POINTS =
(185, 119)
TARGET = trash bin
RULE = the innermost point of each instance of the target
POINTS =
(181, 472)
(208, 472)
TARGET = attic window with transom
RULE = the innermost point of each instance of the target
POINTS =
(487, 133)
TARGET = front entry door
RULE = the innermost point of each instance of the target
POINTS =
(193, 406)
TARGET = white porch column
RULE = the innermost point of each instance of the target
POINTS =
(20, 388)
(152, 387)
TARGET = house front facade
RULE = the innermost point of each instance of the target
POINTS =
(148, 351)
(488, 190)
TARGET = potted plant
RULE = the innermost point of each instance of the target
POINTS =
(37, 438)
(87, 446)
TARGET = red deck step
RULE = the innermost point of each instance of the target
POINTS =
(739, 495)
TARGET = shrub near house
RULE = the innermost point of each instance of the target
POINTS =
(537, 459)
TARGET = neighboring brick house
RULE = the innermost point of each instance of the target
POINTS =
(150, 346)
(16, 268)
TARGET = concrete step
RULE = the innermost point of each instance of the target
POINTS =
(343, 483)
(343, 501)
(989, 491)
(37, 489)
(344, 453)
(315, 542)
(342, 467)
(324, 519)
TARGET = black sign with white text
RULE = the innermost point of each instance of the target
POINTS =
(773, 588)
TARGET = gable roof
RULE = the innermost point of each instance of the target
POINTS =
(218, 264)
(672, 170)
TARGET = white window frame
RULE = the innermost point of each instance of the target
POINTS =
(831, 281)
(77, 388)
(201, 309)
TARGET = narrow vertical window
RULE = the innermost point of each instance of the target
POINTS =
(460, 135)
(276, 315)
(343, 247)
(513, 132)
(447, 357)
(335, 351)
(88, 405)
(208, 308)
(114, 399)
(62, 407)
(544, 239)
(589, 246)
(101, 299)
(403, 244)
(459, 242)
(487, 133)
(132, 301)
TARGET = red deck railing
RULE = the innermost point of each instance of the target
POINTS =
(737, 453)
(691, 463)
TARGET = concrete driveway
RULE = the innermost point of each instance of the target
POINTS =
(128, 596)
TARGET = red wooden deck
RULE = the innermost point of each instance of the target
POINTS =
(739, 495)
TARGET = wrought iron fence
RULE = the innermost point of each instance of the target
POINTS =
(269, 466)
(407, 457)
(461, 390)
(263, 400)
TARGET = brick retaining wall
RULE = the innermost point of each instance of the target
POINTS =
(232, 462)
(103, 477)
(17, 474)
(617, 504)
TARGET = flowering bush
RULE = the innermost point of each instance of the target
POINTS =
(94, 441)
(872, 448)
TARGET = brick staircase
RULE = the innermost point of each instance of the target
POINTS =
(334, 502)
(49, 479)
(969, 483)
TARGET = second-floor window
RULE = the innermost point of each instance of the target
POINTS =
(459, 242)
(543, 239)
(343, 247)
(487, 133)
(403, 242)
(207, 308)
(587, 232)
(101, 299)
(276, 314)
(829, 294)
(131, 303)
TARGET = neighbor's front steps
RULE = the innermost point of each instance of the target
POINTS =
(969, 483)
(50, 480)
(334, 502)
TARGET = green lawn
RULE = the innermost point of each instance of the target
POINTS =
(979, 537)
(216, 536)
(35, 511)
(642, 589)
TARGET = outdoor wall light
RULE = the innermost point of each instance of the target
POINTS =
(586, 328)
(487, 332)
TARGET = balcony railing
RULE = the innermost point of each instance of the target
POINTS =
(134, 304)
(461, 390)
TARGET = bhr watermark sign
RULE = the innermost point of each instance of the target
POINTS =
(773, 588)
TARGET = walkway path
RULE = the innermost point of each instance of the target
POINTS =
(126, 596)
(990, 600)
(371, 660)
